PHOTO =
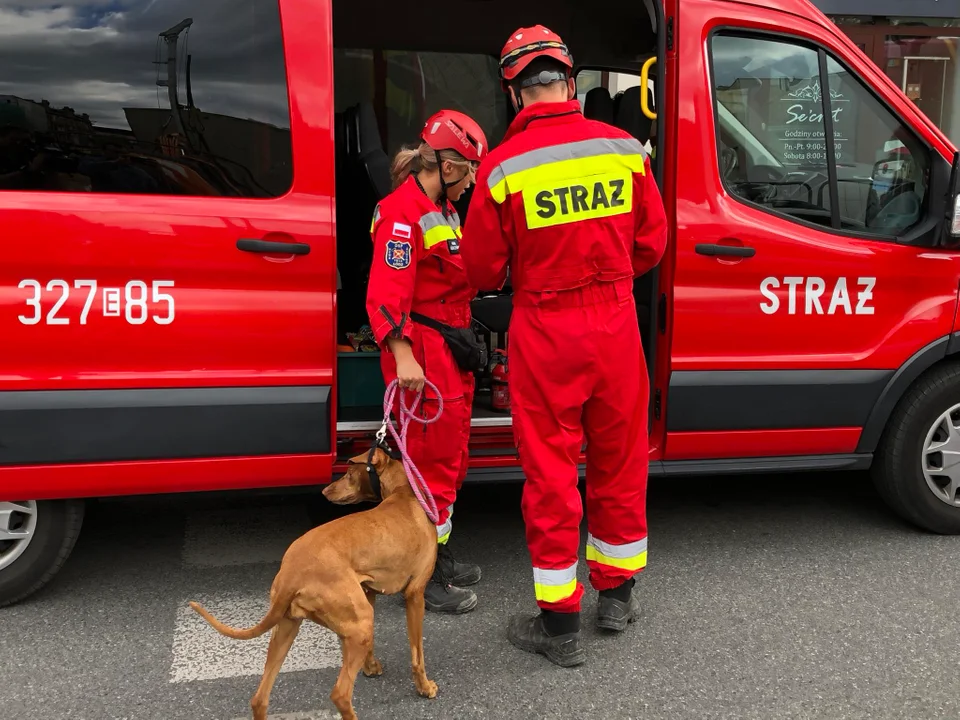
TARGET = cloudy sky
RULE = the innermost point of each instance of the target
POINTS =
(97, 56)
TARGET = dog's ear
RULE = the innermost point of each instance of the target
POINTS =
(358, 460)
(380, 459)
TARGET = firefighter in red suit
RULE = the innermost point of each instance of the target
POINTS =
(571, 206)
(417, 277)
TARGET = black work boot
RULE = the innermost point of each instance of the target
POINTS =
(442, 596)
(618, 607)
(560, 644)
(457, 573)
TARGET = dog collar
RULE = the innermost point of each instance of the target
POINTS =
(374, 477)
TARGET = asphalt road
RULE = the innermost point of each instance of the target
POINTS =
(773, 597)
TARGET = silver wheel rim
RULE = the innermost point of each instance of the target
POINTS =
(18, 525)
(941, 457)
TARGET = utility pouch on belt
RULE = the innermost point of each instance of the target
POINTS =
(469, 353)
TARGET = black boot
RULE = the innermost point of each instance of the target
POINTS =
(458, 573)
(556, 636)
(442, 596)
(618, 607)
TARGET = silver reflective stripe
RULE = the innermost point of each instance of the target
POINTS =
(445, 529)
(437, 219)
(496, 176)
(620, 552)
(565, 151)
(555, 578)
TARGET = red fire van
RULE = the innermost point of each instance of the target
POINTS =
(187, 244)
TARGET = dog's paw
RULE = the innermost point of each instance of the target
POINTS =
(428, 689)
(373, 668)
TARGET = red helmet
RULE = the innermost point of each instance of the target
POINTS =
(452, 130)
(527, 44)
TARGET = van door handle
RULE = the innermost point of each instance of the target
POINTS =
(714, 250)
(273, 248)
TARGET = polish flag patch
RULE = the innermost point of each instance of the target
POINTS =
(401, 230)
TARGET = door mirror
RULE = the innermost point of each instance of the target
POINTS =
(955, 223)
(946, 211)
(952, 232)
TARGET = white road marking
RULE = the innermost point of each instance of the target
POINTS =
(201, 653)
(242, 537)
(312, 715)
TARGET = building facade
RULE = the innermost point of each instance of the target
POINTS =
(916, 42)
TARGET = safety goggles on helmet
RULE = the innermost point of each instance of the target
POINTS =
(513, 57)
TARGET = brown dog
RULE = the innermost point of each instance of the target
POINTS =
(333, 573)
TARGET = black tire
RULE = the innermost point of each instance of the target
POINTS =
(897, 470)
(58, 526)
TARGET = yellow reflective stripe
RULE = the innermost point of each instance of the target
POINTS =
(569, 160)
(630, 556)
(376, 217)
(438, 228)
(437, 235)
(638, 562)
(555, 585)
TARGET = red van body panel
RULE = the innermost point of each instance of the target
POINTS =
(230, 380)
(249, 338)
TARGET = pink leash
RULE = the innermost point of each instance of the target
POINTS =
(420, 489)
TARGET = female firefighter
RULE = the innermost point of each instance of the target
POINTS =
(419, 307)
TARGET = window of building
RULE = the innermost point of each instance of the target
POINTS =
(405, 88)
(773, 118)
(134, 97)
(927, 69)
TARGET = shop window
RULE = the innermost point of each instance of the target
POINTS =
(87, 102)
(773, 117)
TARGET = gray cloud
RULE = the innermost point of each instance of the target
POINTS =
(97, 56)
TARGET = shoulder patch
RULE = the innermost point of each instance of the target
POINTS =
(399, 254)
(402, 230)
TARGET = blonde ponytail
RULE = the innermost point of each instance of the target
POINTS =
(406, 161)
(423, 157)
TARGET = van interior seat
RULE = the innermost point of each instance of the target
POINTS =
(630, 117)
(598, 105)
(357, 195)
(370, 150)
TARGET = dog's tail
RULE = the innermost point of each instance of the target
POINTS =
(274, 615)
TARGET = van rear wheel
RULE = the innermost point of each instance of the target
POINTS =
(917, 466)
(36, 538)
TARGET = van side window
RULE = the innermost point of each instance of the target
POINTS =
(144, 97)
(771, 125)
(772, 119)
(882, 168)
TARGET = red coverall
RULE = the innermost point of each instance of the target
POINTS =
(571, 205)
(417, 267)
